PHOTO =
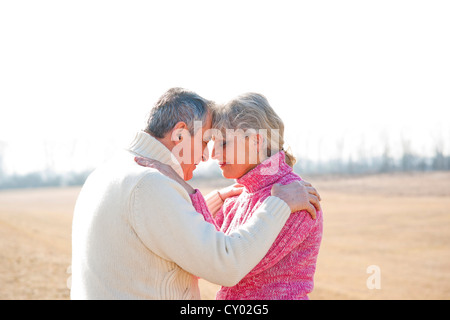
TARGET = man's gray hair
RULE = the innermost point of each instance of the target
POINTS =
(176, 105)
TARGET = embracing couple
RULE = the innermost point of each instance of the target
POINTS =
(140, 231)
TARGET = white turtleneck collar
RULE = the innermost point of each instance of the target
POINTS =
(145, 145)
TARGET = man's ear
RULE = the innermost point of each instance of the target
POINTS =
(179, 132)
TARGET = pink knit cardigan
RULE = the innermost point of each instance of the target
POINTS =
(287, 270)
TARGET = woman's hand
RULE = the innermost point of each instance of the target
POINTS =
(231, 191)
(165, 170)
(299, 195)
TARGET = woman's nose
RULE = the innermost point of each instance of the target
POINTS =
(217, 154)
(205, 155)
(213, 154)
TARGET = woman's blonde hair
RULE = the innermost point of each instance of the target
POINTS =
(252, 111)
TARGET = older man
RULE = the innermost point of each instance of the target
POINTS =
(136, 234)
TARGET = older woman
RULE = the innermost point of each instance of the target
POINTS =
(248, 143)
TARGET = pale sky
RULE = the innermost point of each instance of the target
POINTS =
(77, 78)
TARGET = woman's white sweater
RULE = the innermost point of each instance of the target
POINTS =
(136, 235)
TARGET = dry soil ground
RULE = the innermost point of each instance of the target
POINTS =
(399, 223)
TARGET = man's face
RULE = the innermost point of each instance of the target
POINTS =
(193, 149)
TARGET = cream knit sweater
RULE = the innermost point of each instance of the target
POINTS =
(136, 235)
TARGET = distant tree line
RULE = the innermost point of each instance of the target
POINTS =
(40, 179)
(384, 163)
(46, 177)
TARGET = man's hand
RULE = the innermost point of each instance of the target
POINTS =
(299, 195)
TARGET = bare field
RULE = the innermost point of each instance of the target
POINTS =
(398, 222)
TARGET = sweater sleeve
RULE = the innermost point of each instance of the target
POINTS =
(202, 207)
(214, 202)
(295, 231)
(167, 223)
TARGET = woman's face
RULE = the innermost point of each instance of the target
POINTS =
(237, 154)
